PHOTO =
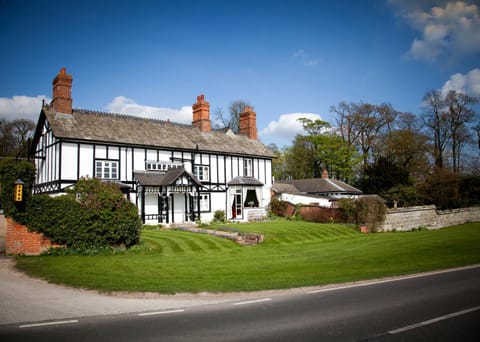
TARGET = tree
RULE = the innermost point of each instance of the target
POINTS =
(328, 150)
(459, 115)
(405, 146)
(299, 161)
(360, 124)
(14, 137)
(448, 120)
(435, 122)
(236, 108)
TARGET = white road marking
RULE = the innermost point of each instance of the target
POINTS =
(48, 323)
(393, 279)
(160, 312)
(253, 301)
(433, 320)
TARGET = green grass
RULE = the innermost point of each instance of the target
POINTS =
(294, 254)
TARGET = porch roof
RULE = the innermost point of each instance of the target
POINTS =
(240, 180)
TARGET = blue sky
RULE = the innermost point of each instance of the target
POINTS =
(287, 58)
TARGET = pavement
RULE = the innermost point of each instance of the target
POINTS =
(26, 299)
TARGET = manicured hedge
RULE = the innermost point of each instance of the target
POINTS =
(92, 215)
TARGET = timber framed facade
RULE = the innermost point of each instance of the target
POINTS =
(173, 172)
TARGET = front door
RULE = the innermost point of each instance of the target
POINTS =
(237, 206)
(163, 209)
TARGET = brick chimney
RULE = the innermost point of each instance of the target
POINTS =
(201, 114)
(62, 92)
(248, 123)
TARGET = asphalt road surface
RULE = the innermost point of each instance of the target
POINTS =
(443, 306)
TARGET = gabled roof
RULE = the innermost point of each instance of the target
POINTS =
(154, 178)
(315, 186)
(111, 128)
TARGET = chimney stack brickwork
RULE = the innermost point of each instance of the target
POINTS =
(248, 123)
(201, 114)
(62, 92)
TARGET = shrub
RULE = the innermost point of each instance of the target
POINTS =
(10, 171)
(219, 216)
(93, 214)
(364, 210)
(278, 207)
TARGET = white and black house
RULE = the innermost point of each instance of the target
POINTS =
(173, 172)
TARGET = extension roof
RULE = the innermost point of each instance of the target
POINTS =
(91, 126)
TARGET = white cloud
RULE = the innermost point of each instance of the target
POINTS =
(468, 84)
(451, 30)
(306, 59)
(124, 105)
(21, 107)
(287, 126)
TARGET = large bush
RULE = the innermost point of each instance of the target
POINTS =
(10, 171)
(370, 210)
(93, 214)
(278, 207)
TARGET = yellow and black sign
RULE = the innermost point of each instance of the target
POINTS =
(18, 193)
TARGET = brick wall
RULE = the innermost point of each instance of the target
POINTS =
(19, 240)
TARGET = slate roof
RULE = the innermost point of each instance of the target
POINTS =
(315, 186)
(154, 178)
(123, 129)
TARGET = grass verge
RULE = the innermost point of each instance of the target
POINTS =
(294, 254)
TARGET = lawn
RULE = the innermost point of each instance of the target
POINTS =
(294, 254)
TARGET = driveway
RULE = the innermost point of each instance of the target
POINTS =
(25, 299)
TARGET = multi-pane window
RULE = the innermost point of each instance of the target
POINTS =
(106, 169)
(247, 167)
(160, 165)
(204, 203)
(201, 172)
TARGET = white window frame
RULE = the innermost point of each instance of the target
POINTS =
(106, 169)
(202, 172)
(204, 202)
(248, 167)
(162, 166)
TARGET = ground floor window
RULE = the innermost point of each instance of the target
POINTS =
(251, 199)
(204, 203)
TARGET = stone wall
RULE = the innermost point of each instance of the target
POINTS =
(404, 219)
(19, 240)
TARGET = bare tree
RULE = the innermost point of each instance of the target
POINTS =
(435, 120)
(459, 115)
(14, 137)
(346, 122)
(236, 108)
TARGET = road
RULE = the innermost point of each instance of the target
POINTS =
(443, 306)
